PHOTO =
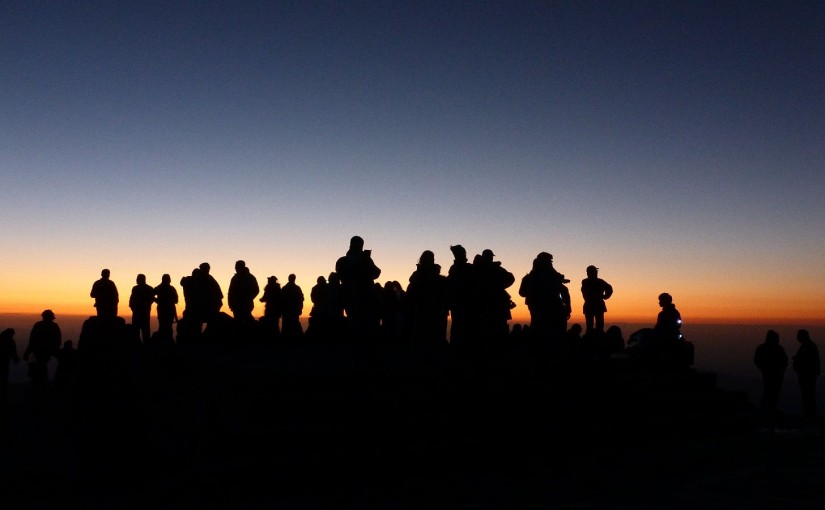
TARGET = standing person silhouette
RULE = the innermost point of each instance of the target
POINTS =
(595, 291)
(44, 342)
(807, 368)
(272, 307)
(104, 292)
(243, 288)
(493, 311)
(427, 298)
(292, 305)
(461, 296)
(357, 272)
(548, 299)
(771, 360)
(212, 294)
(140, 301)
(166, 296)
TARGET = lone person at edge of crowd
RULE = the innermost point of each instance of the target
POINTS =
(595, 291)
(807, 368)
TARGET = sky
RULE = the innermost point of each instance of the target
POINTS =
(676, 145)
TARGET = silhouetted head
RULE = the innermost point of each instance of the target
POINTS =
(487, 255)
(321, 280)
(803, 336)
(334, 278)
(576, 329)
(543, 260)
(166, 279)
(47, 315)
(204, 267)
(272, 279)
(141, 279)
(104, 274)
(772, 337)
(665, 299)
(356, 243)
(427, 258)
(7, 333)
(239, 265)
(291, 278)
(459, 253)
(196, 271)
(592, 271)
(614, 331)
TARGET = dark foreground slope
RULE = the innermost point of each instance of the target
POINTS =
(310, 426)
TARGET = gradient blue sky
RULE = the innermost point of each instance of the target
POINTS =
(677, 145)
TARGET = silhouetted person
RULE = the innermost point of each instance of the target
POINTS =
(8, 354)
(44, 341)
(194, 311)
(272, 308)
(191, 303)
(357, 272)
(492, 300)
(140, 302)
(243, 289)
(672, 347)
(320, 317)
(393, 321)
(427, 298)
(104, 292)
(66, 365)
(771, 360)
(517, 337)
(548, 300)
(595, 291)
(335, 306)
(669, 321)
(461, 299)
(212, 294)
(807, 368)
(292, 305)
(166, 296)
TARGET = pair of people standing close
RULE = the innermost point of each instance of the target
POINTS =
(45, 341)
(771, 360)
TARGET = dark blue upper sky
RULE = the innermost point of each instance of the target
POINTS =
(637, 135)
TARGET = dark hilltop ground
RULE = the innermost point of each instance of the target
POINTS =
(312, 426)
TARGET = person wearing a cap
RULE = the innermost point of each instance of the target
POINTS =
(595, 291)
(44, 341)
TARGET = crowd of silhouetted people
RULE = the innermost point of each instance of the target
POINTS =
(350, 307)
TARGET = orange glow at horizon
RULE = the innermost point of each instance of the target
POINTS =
(702, 296)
